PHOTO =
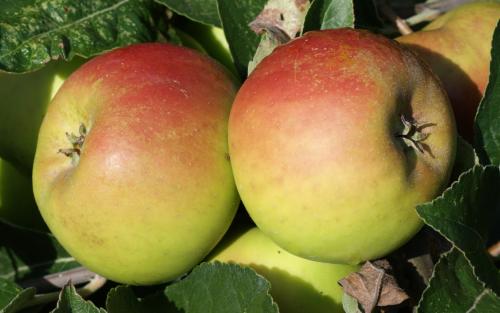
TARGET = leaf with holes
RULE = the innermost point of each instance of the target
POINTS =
(34, 32)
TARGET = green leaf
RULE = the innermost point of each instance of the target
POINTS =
(71, 302)
(20, 261)
(487, 122)
(123, 299)
(235, 17)
(486, 302)
(350, 304)
(222, 288)
(33, 32)
(203, 11)
(329, 14)
(13, 297)
(454, 288)
(464, 214)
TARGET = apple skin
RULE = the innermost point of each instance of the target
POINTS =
(152, 191)
(297, 285)
(315, 147)
(17, 203)
(23, 101)
(457, 46)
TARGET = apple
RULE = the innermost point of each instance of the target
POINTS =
(334, 139)
(23, 101)
(457, 46)
(297, 285)
(131, 171)
(17, 204)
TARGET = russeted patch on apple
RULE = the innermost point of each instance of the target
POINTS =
(131, 171)
(334, 139)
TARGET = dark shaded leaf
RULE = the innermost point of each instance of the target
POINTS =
(464, 213)
(366, 15)
(487, 122)
(465, 159)
(123, 299)
(454, 288)
(236, 17)
(20, 261)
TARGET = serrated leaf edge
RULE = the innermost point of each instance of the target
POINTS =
(21, 293)
(72, 289)
(481, 105)
(243, 267)
(483, 284)
(442, 257)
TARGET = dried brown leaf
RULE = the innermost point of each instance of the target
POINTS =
(280, 19)
(374, 286)
(279, 22)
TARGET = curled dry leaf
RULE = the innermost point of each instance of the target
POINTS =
(278, 22)
(280, 19)
(373, 286)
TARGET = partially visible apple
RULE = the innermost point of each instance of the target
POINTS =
(335, 138)
(23, 101)
(457, 46)
(297, 285)
(17, 204)
(131, 171)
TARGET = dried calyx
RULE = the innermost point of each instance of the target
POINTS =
(76, 144)
(413, 135)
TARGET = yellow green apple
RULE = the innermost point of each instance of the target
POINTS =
(457, 46)
(334, 140)
(23, 101)
(131, 171)
(297, 285)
